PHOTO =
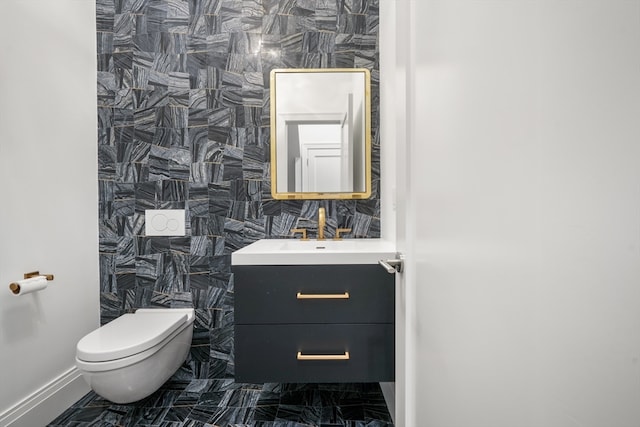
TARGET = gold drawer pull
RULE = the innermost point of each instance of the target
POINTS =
(344, 356)
(300, 295)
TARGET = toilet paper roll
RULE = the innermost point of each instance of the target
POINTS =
(27, 286)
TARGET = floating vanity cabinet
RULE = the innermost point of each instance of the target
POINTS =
(314, 323)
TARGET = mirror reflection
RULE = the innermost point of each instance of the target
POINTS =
(320, 127)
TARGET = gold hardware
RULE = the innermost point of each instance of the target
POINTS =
(341, 230)
(49, 277)
(15, 287)
(300, 230)
(300, 295)
(321, 223)
(344, 356)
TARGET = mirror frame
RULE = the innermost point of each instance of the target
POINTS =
(284, 195)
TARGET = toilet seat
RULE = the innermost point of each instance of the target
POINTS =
(132, 334)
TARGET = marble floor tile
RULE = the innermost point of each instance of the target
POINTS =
(222, 402)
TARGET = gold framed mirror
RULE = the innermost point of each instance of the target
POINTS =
(321, 133)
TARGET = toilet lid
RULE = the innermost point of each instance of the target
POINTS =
(127, 335)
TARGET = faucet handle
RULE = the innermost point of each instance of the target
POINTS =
(300, 230)
(341, 230)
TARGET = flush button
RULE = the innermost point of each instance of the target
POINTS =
(164, 222)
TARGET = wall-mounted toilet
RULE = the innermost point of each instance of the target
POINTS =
(132, 356)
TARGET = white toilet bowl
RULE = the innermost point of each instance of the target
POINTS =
(132, 356)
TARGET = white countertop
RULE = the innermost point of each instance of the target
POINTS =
(301, 252)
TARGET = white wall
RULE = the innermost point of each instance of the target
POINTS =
(525, 161)
(48, 199)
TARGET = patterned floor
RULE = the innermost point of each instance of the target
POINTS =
(207, 403)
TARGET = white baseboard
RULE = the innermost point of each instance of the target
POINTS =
(389, 393)
(47, 403)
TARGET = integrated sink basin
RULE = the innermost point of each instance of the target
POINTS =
(301, 252)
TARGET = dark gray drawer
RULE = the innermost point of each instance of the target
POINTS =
(268, 294)
(269, 353)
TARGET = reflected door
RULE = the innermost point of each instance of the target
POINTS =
(323, 169)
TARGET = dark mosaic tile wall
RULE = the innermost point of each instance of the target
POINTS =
(183, 107)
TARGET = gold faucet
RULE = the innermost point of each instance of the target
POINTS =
(321, 223)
